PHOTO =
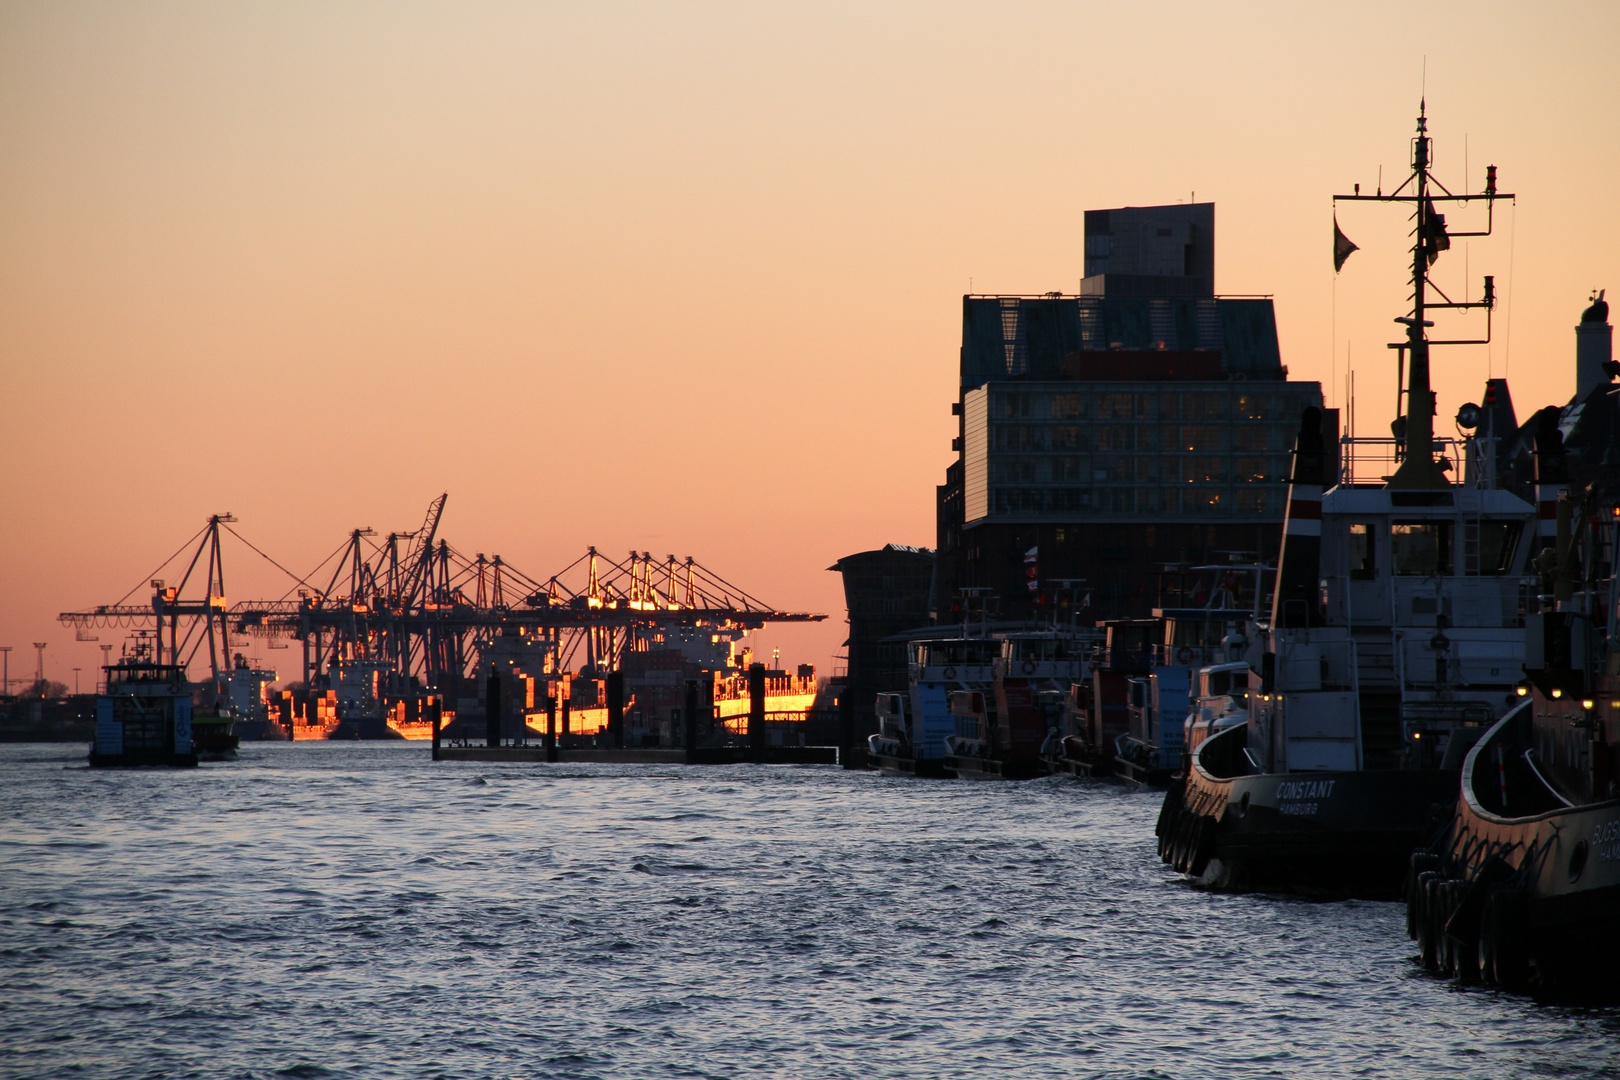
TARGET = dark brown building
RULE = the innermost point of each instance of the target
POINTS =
(887, 592)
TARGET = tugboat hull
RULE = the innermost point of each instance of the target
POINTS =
(1527, 903)
(978, 768)
(1343, 833)
(928, 768)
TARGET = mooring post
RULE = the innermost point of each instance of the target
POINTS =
(433, 709)
(492, 708)
(689, 720)
(551, 726)
(615, 696)
(756, 710)
(846, 729)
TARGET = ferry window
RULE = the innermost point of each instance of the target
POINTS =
(1420, 548)
(1497, 542)
(1363, 566)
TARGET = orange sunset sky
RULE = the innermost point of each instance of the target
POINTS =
(687, 278)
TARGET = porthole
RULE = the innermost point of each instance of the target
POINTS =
(1577, 862)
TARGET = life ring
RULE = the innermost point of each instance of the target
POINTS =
(1184, 655)
(1029, 667)
(950, 673)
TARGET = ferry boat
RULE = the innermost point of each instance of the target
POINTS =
(1395, 638)
(144, 716)
(1522, 887)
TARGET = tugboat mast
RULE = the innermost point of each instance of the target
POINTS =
(1418, 469)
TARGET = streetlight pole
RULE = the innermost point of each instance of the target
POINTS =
(5, 688)
(75, 682)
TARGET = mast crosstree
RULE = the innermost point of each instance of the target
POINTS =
(1415, 427)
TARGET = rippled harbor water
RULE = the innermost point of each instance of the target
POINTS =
(355, 910)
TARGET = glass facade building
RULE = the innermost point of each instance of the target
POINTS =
(1161, 451)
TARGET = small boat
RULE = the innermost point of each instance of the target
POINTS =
(213, 736)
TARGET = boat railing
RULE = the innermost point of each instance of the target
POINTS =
(1373, 460)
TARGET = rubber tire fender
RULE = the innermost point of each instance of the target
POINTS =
(1419, 862)
(1170, 809)
(1203, 845)
(1428, 946)
(1507, 917)
(1186, 836)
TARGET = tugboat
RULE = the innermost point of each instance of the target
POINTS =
(144, 717)
(1523, 885)
(1008, 730)
(1393, 641)
(915, 726)
(1154, 748)
(1129, 720)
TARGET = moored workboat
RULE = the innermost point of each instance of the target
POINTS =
(1523, 886)
(1010, 729)
(1393, 641)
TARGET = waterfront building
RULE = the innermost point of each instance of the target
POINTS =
(887, 593)
(1143, 422)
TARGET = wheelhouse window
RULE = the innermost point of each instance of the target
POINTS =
(1363, 552)
(1498, 540)
(1420, 548)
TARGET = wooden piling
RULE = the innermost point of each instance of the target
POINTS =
(756, 710)
(551, 726)
(689, 720)
(615, 709)
(492, 708)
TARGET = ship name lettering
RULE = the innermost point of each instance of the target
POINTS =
(1304, 789)
(1606, 832)
(1297, 809)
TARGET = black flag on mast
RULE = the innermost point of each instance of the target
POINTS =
(1438, 240)
(1342, 246)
